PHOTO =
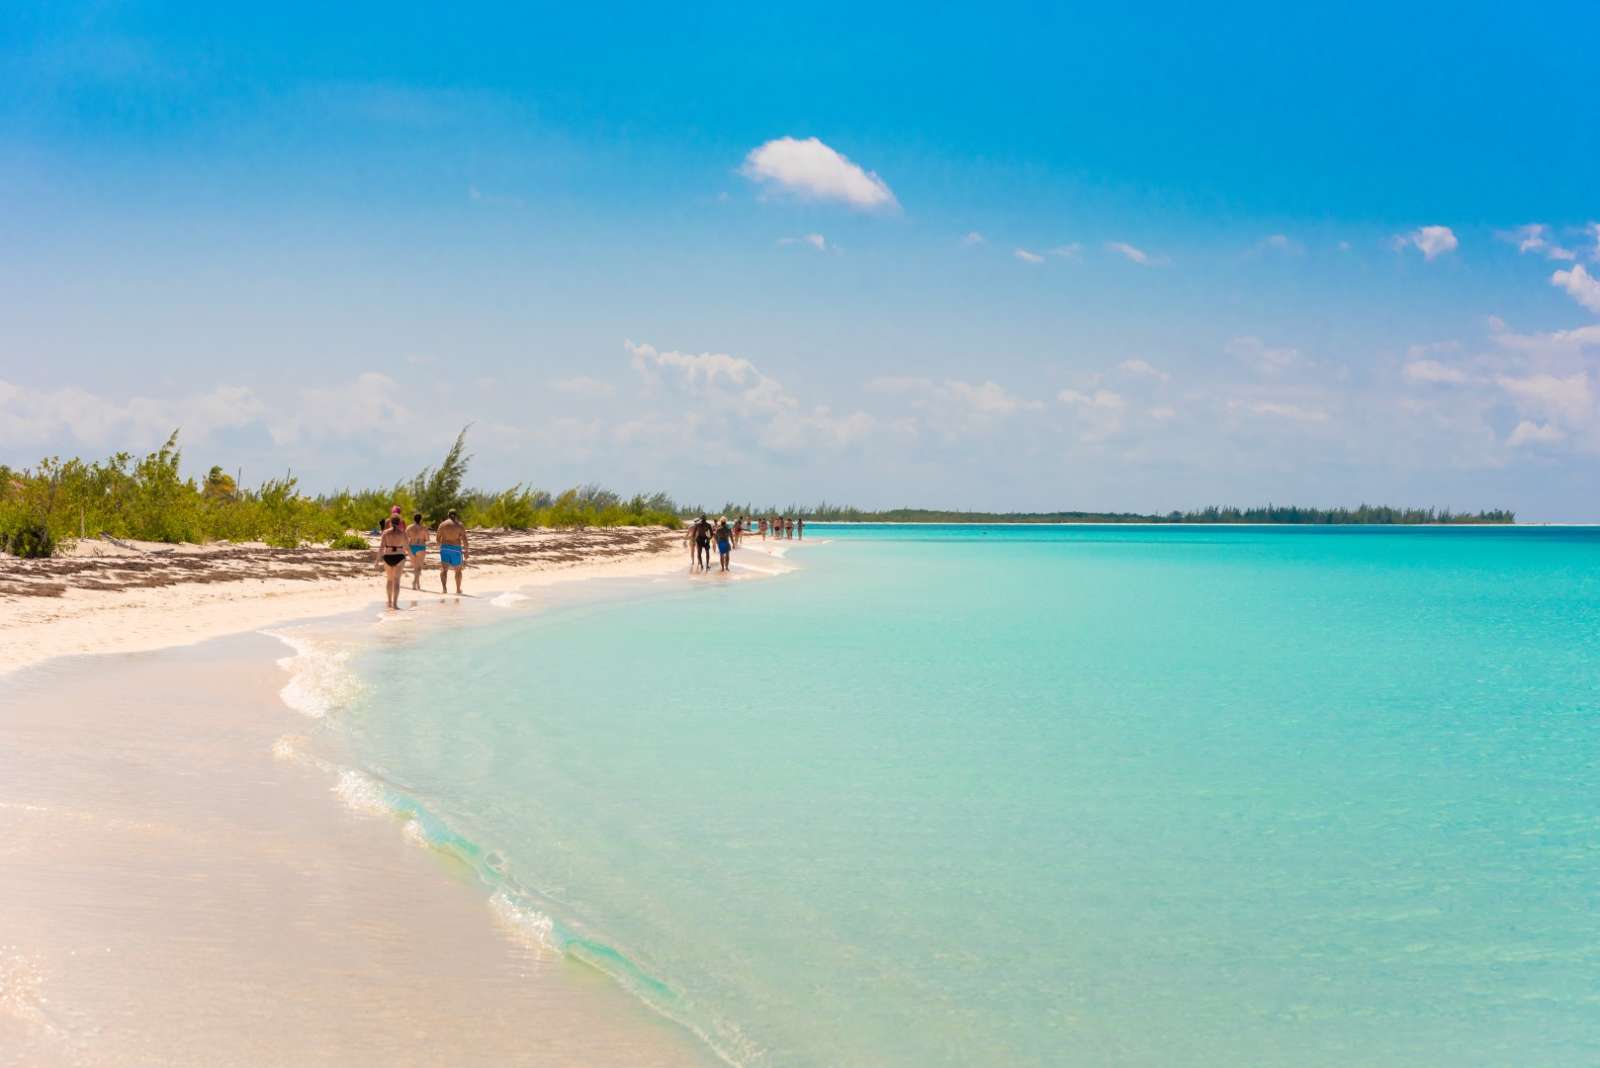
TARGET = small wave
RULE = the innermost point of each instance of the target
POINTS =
(506, 600)
(527, 926)
(519, 912)
(320, 680)
(362, 793)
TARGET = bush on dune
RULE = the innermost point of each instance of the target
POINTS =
(150, 500)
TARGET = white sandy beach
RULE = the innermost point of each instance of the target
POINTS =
(178, 887)
(106, 598)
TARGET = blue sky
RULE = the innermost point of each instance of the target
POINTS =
(989, 257)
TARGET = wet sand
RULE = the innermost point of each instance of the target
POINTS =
(172, 892)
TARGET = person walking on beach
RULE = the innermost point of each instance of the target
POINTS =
(724, 542)
(702, 543)
(800, 527)
(392, 551)
(417, 544)
(762, 525)
(452, 536)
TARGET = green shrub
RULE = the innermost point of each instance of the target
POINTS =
(31, 541)
(349, 541)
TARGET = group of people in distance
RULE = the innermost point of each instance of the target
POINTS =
(399, 545)
(728, 536)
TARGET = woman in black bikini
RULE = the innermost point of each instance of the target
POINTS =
(392, 550)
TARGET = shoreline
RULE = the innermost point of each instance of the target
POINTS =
(174, 808)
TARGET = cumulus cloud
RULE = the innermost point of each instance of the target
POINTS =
(1580, 285)
(1281, 243)
(713, 385)
(1295, 412)
(1100, 398)
(1531, 433)
(1431, 241)
(33, 416)
(1098, 414)
(369, 403)
(1554, 341)
(816, 241)
(1027, 257)
(584, 386)
(1535, 237)
(1267, 359)
(812, 170)
(1432, 371)
(1129, 252)
(954, 407)
(1567, 398)
(1142, 369)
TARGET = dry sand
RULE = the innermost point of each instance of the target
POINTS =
(130, 596)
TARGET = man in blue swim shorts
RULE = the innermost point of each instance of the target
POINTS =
(452, 535)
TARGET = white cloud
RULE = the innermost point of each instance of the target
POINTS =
(30, 416)
(816, 241)
(1566, 398)
(1580, 285)
(1555, 341)
(1143, 369)
(1534, 237)
(954, 407)
(1279, 243)
(1027, 257)
(1068, 251)
(1100, 398)
(370, 402)
(1530, 433)
(1137, 255)
(585, 386)
(1098, 414)
(1268, 359)
(1592, 230)
(811, 170)
(1433, 371)
(713, 385)
(1294, 412)
(1431, 241)
(973, 238)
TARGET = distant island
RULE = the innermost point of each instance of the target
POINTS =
(1366, 514)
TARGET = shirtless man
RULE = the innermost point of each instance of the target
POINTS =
(452, 551)
(701, 532)
(417, 546)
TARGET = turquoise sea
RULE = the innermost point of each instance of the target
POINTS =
(1045, 795)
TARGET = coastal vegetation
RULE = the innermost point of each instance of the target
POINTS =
(149, 499)
(1364, 515)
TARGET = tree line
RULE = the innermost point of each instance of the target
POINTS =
(1270, 513)
(149, 499)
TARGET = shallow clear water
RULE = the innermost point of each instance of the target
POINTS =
(1081, 795)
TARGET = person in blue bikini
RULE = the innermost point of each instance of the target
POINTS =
(417, 545)
(452, 535)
